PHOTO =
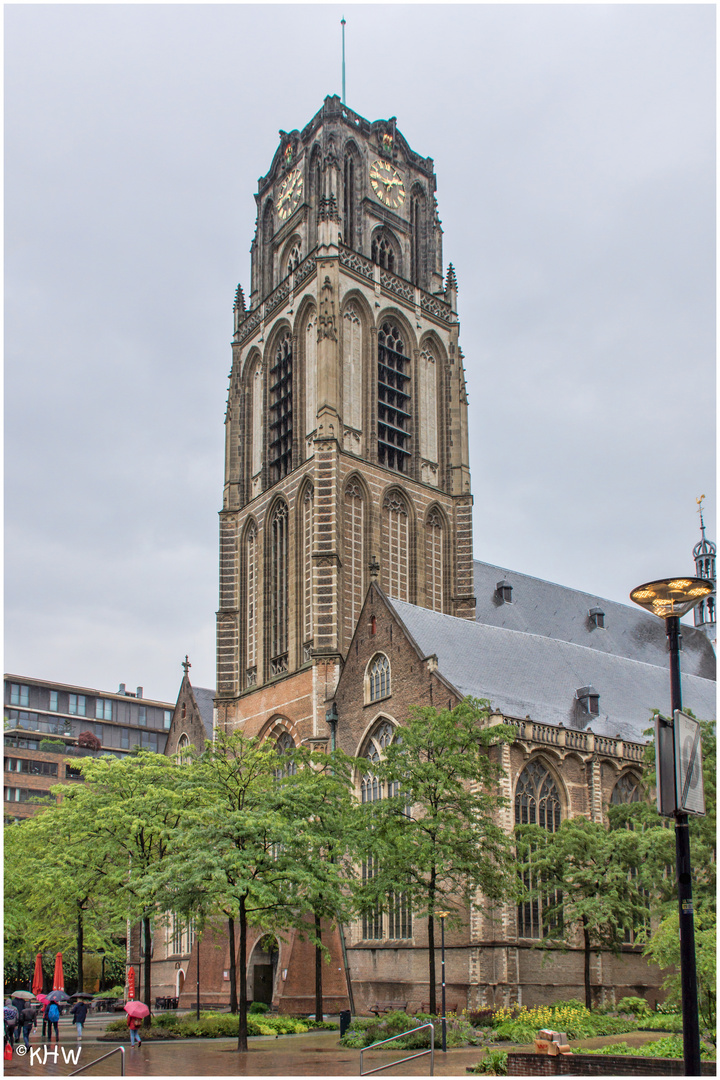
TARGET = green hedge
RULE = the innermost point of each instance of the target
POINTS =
(214, 1025)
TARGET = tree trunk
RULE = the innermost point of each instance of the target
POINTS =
(586, 938)
(318, 972)
(242, 1016)
(80, 986)
(147, 973)
(233, 968)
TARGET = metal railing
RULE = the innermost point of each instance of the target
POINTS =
(400, 1061)
(117, 1050)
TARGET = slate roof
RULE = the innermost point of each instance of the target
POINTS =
(204, 699)
(555, 611)
(528, 674)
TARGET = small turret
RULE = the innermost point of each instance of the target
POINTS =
(451, 288)
(239, 306)
(704, 554)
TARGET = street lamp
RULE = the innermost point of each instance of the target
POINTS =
(442, 916)
(670, 599)
(331, 718)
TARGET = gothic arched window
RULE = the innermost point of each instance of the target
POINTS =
(428, 405)
(281, 410)
(434, 561)
(382, 251)
(307, 550)
(251, 599)
(627, 790)
(294, 259)
(279, 596)
(537, 802)
(393, 399)
(284, 745)
(354, 551)
(349, 201)
(396, 545)
(378, 684)
(417, 237)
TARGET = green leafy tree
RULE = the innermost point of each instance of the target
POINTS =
(436, 839)
(585, 874)
(664, 948)
(321, 822)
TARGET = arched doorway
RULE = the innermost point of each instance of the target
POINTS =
(262, 969)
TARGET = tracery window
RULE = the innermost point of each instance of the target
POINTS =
(281, 410)
(382, 252)
(379, 678)
(434, 560)
(354, 561)
(279, 597)
(295, 259)
(251, 593)
(393, 399)
(627, 790)
(396, 537)
(308, 606)
(284, 745)
(349, 201)
(398, 924)
(537, 802)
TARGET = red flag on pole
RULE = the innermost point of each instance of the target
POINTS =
(37, 983)
(131, 983)
(58, 977)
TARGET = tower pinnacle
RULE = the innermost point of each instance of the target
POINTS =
(704, 554)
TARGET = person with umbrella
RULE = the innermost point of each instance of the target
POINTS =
(10, 1016)
(136, 1011)
(54, 998)
(28, 1019)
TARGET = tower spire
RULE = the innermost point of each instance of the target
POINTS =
(704, 554)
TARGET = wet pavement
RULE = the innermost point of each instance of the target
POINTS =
(313, 1054)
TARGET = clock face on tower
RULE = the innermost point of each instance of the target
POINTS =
(290, 194)
(387, 184)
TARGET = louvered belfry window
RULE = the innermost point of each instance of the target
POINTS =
(393, 400)
(279, 591)
(281, 411)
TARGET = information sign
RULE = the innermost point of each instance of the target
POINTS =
(689, 789)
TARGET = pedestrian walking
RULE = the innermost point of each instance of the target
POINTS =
(134, 1023)
(46, 1026)
(28, 1019)
(53, 1015)
(79, 1014)
(10, 1016)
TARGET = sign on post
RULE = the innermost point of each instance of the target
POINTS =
(665, 766)
(689, 789)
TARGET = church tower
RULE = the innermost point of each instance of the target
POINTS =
(704, 554)
(346, 452)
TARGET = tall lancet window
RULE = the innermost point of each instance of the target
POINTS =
(396, 546)
(417, 236)
(349, 207)
(281, 410)
(279, 596)
(393, 399)
(310, 379)
(256, 421)
(354, 561)
(251, 596)
(434, 561)
(308, 607)
(352, 370)
(537, 802)
(427, 428)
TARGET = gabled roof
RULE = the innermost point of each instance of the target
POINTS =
(204, 699)
(555, 611)
(527, 674)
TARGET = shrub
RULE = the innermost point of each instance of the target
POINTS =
(636, 1005)
(52, 746)
(88, 740)
(671, 1047)
(258, 1007)
(493, 1064)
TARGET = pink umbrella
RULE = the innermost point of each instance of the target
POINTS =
(37, 983)
(137, 1008)
(58, 977)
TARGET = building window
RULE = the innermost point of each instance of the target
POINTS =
(627, 790)
(77, 705)
(142, 716)
(19, 695)
(434, 561)
(503, 592)
(103, 709)
(53, 701)
(294, 259)
(34, 768)
(597, 617)
(382, 252)
(281, 410)
(537, 802)
(167, 718)
(283, 746)
(379, 678)
(393, 400)
(279, 590)
(354, 563)
(588, 700)
(181, 936)
(124, 738)
(72, 773)
(349, 207)
(308, 541)
(396, 543)
(251, 586)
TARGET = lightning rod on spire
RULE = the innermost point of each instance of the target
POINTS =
(343, 59)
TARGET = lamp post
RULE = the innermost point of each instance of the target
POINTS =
(331, 718)
(670, 599)
(442, 916)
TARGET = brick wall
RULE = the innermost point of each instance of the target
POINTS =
(598, 1065)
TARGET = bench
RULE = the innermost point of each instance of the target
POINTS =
(450, 1007)
(388, 1006)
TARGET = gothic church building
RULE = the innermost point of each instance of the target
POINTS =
(346, 559)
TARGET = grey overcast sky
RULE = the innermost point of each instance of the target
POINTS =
(574, 147)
